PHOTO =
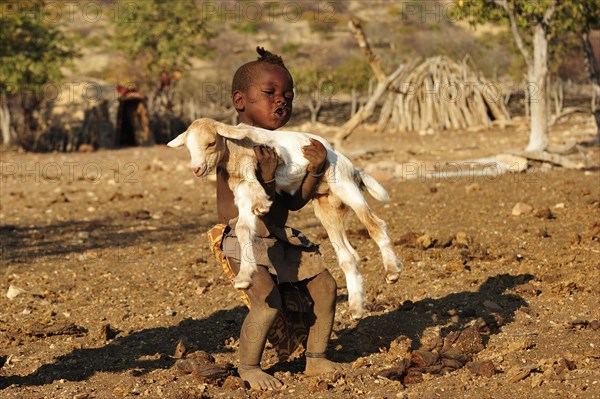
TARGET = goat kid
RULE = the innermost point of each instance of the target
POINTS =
(213, 144)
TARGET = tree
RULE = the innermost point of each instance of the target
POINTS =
(353, 76)
(33, 50)
(580, 17)
(161, 35)
(314, 85)
(531, 24)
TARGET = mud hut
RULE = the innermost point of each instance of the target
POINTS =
(441, 94)
(95, 113)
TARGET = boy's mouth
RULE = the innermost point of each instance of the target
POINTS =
(280, 112)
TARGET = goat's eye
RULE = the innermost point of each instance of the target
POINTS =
(211, 144)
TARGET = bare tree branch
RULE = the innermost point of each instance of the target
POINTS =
(363, 43)
(515, 30)
(548, 14)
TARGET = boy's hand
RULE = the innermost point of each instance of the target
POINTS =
(316, 154)
(267, 161)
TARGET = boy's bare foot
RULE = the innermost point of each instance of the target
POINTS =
(318, 366)
(258, 379)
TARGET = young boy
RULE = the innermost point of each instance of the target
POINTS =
(262, 93)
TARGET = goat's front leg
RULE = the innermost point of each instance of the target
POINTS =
(259, 199)
(245, 229)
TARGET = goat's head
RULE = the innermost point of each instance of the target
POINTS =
(204, 139)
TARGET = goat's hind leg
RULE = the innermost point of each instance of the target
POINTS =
(353, 197)
(331, 211)
(245, 229)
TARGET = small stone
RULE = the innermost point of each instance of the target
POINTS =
(14, 291)
(455, 267)
(484, 367)
(521, 208)
(120, 391)
(545, 213)
(107, 333)
(491, 305)
(180, 350)
(518, 376)
(462, 238)
(407, 240)
(142, 214)
(471, 188)
(233, 383)
(316, 384)
(426, 241)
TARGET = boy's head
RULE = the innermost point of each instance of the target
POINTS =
(263, 91)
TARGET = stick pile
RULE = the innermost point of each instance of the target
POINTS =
(441, 94)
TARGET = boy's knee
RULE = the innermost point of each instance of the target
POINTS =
(324, 285)
(328, 283)
(265, 312)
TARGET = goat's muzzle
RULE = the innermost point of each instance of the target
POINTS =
(200, 171)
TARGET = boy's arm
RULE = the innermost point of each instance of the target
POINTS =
(316, 154)
(267, 163)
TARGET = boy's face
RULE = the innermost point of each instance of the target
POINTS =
(267, 102)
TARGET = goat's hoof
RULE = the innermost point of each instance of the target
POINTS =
(391, 278)
(261, 209)
(357, 315)
(241, 284)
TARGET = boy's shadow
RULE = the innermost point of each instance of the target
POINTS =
(140, 352)
(412, 319)
(146, 350)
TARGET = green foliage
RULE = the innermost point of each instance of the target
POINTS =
(308, 78)
(32, 47)
(570, 15)
(322, 17)
(290, 49)
(353, 74)
(571, 18)
(161, 35)
(313, 83)
(246, 27)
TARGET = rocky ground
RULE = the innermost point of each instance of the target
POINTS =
(106, 264)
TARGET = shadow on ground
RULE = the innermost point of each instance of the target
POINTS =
(148, 349)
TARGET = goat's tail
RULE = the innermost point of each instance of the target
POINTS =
(374, 188)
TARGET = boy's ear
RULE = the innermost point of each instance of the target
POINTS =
(238, 100)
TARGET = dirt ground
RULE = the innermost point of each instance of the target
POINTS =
(108, 255)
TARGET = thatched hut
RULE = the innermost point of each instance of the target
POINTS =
(441, 94)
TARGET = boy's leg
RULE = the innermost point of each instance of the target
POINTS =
(265, 302)
(323, 291)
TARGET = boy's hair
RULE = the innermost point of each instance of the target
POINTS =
(247, 72)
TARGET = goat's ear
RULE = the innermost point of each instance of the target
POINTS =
(177, 141)
(232, 132)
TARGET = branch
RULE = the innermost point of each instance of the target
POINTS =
(363, 43)
(592, 67)
(367, 110)
(548, 14)
(515, 30)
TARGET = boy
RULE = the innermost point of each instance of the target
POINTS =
(262, 94)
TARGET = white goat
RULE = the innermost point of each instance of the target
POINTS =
(213, 144)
